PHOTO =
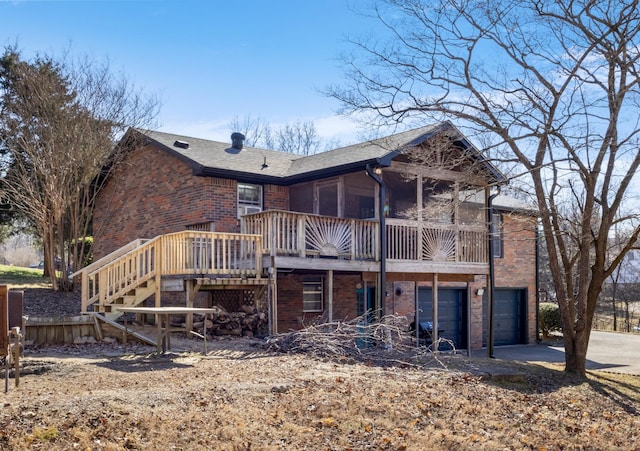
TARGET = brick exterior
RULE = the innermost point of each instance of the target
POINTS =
(401, 294)
(290, 314)
(152, 193)
(276, 197)
(155, 193)
(517, 267)
(401, 300)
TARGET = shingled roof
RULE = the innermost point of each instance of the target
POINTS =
(213, 158)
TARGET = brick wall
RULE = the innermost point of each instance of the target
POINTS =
(401, 300)
(345, 296)
(290, 314)
(155, 193)
(517, 269)
(276, 197)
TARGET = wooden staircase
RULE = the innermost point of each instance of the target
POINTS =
(133, 273)
(132, 298)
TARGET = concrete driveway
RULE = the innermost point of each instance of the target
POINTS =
(608, 351)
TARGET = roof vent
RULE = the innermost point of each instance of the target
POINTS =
(237, 140)
(181, 144)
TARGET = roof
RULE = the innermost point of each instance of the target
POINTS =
(213, 158)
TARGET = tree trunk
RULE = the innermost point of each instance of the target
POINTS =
(577, 330)
(48, 237)
(575, 347)
(627, 322)
(613, 304)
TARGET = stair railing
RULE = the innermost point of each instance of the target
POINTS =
(185, 253)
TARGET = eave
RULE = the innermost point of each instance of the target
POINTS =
(335, 171)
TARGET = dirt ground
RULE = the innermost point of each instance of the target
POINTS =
(241, 396)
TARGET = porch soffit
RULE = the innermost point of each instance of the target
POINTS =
(413, 277)
(428, 277)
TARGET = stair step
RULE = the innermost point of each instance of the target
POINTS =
(133, 298)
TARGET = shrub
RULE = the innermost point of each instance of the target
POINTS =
(549, 318)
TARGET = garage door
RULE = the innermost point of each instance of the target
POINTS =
(509, 317)
(451, 312)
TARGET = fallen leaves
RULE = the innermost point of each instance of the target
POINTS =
(279, 401)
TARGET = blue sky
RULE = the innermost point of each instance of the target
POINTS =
(208, 60)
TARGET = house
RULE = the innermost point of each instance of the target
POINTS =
(308, 238)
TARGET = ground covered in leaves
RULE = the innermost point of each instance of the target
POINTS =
(241, 396)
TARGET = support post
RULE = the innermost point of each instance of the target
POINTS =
(434, 326)
(158, 268)
(192, 290)
(330, 294)
(272, 298)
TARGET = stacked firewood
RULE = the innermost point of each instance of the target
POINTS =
(246, 323)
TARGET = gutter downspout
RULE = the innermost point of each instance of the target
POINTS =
(383, 238)
(491, 281)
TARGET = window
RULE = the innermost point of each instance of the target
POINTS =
(312, 295)
(497, 244)
(249, 199)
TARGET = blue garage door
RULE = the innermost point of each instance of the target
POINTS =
(452, 318)
(509, 317)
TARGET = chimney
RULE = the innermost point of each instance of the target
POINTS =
(181, 144)
(237, 140)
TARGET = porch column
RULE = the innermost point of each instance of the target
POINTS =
(158, 268)
(272, 299)
(330, 294)
(434, 327)
(468, 320)
(192, 290)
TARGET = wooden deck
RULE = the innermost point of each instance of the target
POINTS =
(354, 244)
(125, 279)
(280, 239)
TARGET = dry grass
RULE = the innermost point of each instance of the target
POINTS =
(241, 397)
(22, 278)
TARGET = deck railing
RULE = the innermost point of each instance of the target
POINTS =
(286, 233)
(412, 240)
(181, 253)
(306, 235)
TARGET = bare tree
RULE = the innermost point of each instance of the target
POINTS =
(299, 138)
(256, 130)
(59, 120)
(553, 86)
(622, 285)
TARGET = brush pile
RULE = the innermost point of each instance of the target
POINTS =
(387, 341)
